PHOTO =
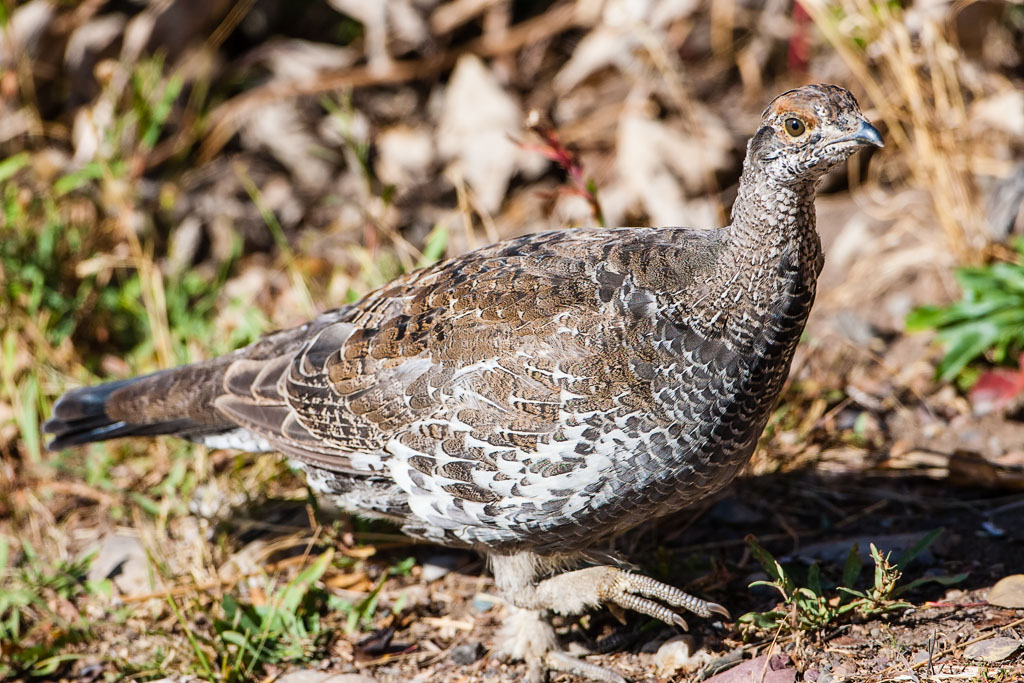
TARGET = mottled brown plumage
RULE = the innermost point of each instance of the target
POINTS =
(535, 396)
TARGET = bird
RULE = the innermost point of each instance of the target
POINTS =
(536, 397)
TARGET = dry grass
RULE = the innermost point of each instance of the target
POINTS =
(914, 79)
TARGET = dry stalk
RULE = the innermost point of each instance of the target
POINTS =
(914, 83)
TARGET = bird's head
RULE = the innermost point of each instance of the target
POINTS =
(806, 132)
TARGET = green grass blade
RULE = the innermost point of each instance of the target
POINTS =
(200, 655)
(13, 164)
(911, 553)
(853, 566)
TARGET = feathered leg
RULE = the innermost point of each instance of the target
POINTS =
(529, 636)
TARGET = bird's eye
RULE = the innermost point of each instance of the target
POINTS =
(795, 127)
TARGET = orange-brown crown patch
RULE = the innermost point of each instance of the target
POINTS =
(797, 104)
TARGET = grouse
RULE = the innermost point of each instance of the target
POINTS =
(536, 396)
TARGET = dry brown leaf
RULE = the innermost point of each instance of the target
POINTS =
(1008, 592)
(23, 33)
(625, 26)
(346, 580)
(302, 61)
(478, 123)
(278, 128)
(657, 161)
(391, 27)
(404, 155)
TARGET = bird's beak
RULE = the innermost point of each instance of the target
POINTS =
(866, 134)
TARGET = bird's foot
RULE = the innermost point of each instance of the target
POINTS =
(633, 591)
(527, 636)
(575, 591)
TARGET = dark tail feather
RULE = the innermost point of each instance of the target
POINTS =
(179, 401)
(80, 416)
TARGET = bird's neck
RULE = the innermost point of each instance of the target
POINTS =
(771, 262)
(773, 234)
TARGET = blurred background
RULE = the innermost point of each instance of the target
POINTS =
(179, 176)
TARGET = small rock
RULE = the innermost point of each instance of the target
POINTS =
(467, 653)
(439, 566)
(777, 669)
(1008, 592)
(677, 654)
(123, 560)
(673, 655)
(312, 676)
(993, 649)
(482, 602)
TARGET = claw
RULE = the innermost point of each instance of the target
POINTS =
(617, 611)
(626, 589)
(718, 609)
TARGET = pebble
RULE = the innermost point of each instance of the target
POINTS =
(779, 669)
(313, 676)
(438, 566)
(467, 653)
(992, 650)
(673, 655)
(482, 602)
(122, 559)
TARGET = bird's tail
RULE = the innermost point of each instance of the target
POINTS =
(177, 402)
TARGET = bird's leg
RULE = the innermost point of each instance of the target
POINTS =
(527, 635)
(575, 591)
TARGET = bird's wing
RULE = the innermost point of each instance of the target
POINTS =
(405, 353)
(474, 384)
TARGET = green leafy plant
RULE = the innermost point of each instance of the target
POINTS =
(34, 630)
(360, 615)
(989, 318)
(286, 628)
(813, 606)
